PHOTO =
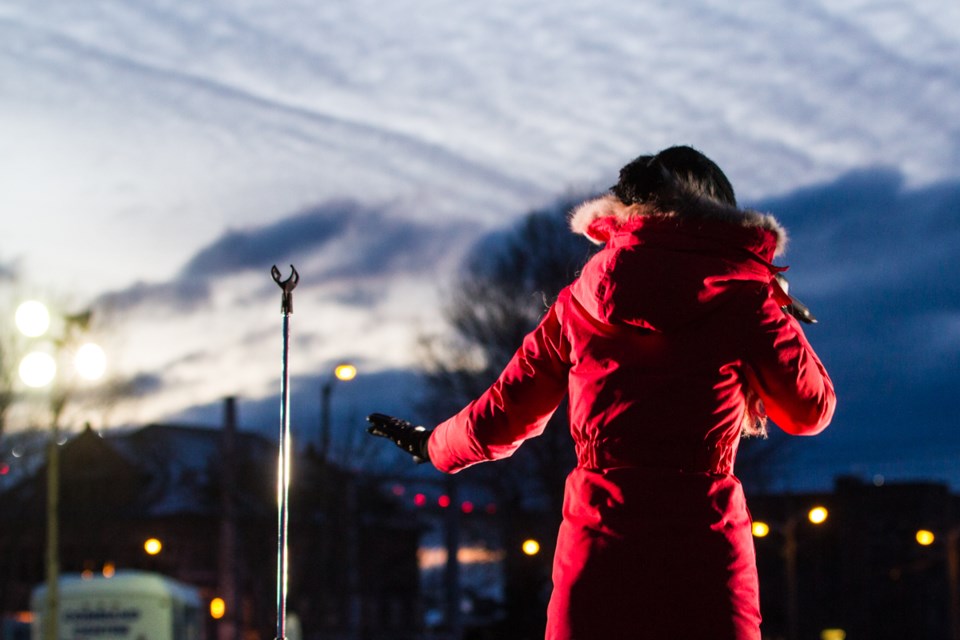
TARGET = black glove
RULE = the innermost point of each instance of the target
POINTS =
(795, 308)
(404, 434)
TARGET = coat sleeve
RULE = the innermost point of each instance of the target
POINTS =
(784, 370)
(515, 407)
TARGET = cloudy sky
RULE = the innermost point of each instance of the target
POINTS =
(157, 157)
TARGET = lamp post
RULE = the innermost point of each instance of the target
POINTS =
(344, 372)
(817, 516)
(926, 538)
(39, 369)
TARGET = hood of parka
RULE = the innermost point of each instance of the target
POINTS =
(661, 270)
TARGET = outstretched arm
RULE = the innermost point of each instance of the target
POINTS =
(516, 407)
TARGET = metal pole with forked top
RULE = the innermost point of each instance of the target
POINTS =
(283, 466)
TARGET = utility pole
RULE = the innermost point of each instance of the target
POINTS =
(51, 621)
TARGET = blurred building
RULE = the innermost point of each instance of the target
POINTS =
(207, 498)
(881, 566)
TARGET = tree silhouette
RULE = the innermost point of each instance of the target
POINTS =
(506, 284)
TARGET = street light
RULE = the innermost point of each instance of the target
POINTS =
(817, 516)
(951, 540)
(32, 318)
(343, 372)
(925, 537)
(37, 370)
(153, 546)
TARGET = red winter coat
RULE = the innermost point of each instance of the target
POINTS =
(656, 343)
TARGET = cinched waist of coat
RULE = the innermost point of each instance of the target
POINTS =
(699, 458)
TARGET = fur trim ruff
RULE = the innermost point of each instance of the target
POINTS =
(610, 206)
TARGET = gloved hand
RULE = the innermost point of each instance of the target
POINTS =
(410, 438)
(793, 306)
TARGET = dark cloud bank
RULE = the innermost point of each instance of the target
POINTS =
(370, 242)
(876, 261)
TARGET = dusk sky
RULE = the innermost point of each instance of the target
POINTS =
(157, 158)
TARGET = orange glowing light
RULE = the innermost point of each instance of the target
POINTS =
(218, 608)
(345, 372)
(818, 515)
(925, 537)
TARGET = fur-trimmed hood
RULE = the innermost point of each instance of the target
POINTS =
(659, 270)
(613, 214)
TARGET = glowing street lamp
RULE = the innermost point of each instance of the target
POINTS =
(950, 539)
(32, 318)
(218, 608)
(925, 538)
(37, 370)
(816, 516)
(153, 546)
(90, 361)
(530, 547)
(343, 372)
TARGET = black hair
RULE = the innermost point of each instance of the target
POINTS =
(678, 172)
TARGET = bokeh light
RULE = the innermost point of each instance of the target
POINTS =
(32, 318)
(925, 537)
(818, 515)
(218, 608)
(345, 372)
(90, 361)
(37, 369)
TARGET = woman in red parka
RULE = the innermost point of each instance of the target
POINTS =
(676, 340)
